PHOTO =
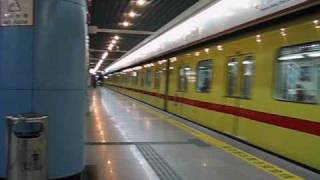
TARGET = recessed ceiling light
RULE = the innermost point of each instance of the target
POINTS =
(116, 37)
(110, 48)
(125, 23)
(141, 2)
(132, 14)
(91, 71)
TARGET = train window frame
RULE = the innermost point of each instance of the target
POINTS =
(124, 79)
(148, 78)
(157, 79)
(312, 75)
(136, 82)
(248, 60)
(142, 79)
(127, 79)
(211, 76)
(241, 81)
(185, 77)
(236, 88)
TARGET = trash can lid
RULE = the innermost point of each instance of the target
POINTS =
(31, 115)
(27, 115)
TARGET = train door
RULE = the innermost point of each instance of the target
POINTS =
(172, 88)
(239, 80)
(184, 89)
(177, 88)
(160, 83)
(181, 89)
(166, 84)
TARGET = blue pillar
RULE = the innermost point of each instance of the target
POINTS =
(15, 79)
(42, 69)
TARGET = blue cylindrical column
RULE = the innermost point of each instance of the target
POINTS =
(15, 79)
(59, 81)
(42, 69)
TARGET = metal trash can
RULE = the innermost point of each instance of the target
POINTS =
(27, 153)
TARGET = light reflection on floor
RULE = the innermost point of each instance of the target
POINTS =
(117, 119)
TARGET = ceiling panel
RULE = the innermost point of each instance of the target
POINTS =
(108, 14)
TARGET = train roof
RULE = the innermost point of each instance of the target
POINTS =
(217, 19)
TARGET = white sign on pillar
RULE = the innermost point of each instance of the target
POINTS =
(16, 12)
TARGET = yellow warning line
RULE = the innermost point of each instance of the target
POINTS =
(251, 159)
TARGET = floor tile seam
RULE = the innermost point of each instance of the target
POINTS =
(16, 89)
(140, 143)
(33, 89)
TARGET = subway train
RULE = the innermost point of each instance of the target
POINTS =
(259, 85)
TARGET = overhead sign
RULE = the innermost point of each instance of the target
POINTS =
(16, 12)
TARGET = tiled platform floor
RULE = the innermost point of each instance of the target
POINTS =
(126, 142)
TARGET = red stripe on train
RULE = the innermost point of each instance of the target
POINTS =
(278, 120)
(301, 125)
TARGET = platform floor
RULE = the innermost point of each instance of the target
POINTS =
(128, 140)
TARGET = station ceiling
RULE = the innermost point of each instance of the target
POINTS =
(108, 14)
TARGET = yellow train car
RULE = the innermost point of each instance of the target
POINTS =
(261, 86)
(145, 82)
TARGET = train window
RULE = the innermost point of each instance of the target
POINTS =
(184, 71)
(233, 68)
(247, 76)
(136, 78)
(318, 81)
(131, 78)
(157, 79)
(126, 79)
(142, 79)
(204, 76)
(149, 78)
(298, 73)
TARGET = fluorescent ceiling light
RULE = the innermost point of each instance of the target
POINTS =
(314, 54)
(105, 55)
(291, 57)
(141, 2)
